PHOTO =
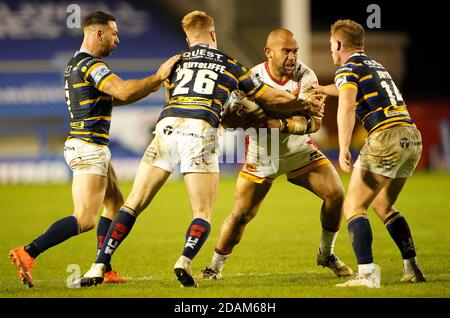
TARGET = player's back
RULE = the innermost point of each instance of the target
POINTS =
(201, 83)
(379, 104)
(89, 108)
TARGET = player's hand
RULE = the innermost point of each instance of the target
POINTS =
(296, 91)
(345, 160)
(317, 89)
(166, 68)
(315, 105)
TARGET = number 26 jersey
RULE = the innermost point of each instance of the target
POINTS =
(203, 80)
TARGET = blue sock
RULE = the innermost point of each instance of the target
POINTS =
(118, 231)
(57, 233)
(196, 235)
(361, 237)
(102, 230)
(399, 230)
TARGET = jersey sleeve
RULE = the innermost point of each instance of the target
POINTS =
(249, 84)
(96, 72)
(346, 77)
(306, 81)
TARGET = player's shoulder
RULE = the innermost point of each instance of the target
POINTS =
(303, 71)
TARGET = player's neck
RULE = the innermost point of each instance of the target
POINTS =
(275, 74)
(347, 55)
(93, 49)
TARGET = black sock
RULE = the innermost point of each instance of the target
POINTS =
(118, 231)
(102, 230)
(399, 230)
(57, 233)
(196, 235)
(361, 237)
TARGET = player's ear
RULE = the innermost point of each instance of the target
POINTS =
(339, 46)
(187, 41)
(99, 35)
(268, 52)
(213, 35)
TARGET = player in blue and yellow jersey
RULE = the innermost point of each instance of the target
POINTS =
(91, 90)
(186, 135)
(389, 156)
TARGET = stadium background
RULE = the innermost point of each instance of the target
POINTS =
(35, 44)
(277, 255)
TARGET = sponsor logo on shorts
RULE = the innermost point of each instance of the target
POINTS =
(315, 155)
(250, 167)
(69, 148)
(405, 143)
(168, 130)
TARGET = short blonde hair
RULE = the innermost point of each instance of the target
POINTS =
(197, 22)
(351, 33)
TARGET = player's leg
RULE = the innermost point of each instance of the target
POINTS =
(202, 191)
(149, 179)
(398, 228)
(112, 203)
(323, 181)
(89, 164)
(363, 188)
(247, 200)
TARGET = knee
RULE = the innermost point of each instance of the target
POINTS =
(335, 196)
(85, 223)
(243, 216)
(382, 209)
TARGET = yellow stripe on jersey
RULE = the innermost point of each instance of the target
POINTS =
(218, 102)
(76, 67)
(167, 85)
(243, 77)
(346, 74)
(366, 97)
(223, 88)
(370, 113)
(387, 121)
(72, 132)
(232, 76)
(90, 69)
(192, 107)
(353, 63)
(90, 101)
(348, 85)
(81, 84)
(263, 89)
(232, 61)
(362, 79)
(99, 118)
(105, 80)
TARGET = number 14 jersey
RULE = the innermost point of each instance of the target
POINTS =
(379, 104)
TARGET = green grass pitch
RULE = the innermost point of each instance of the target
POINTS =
(276, 257)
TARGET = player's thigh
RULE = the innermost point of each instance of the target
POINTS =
(383, 204)
(149, 179)
(248, 197)
(113, 196)
(88, 192)
(363, 188)
(323, 181)
(202, 191)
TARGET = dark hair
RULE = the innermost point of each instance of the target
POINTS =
(97, 17)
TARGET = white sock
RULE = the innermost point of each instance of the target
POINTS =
(365, 269)
(218, 260)
(327, 242)
(409, 263)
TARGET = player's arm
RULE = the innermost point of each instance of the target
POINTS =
(295, 125)
(284, 103)
(346, 123)
(129, 91)
(329, 90)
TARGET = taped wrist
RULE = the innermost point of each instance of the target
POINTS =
(297, 125)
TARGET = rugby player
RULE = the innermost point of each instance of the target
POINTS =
(186, 136)
(389, 156)
(299, 159)
(91, 90)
